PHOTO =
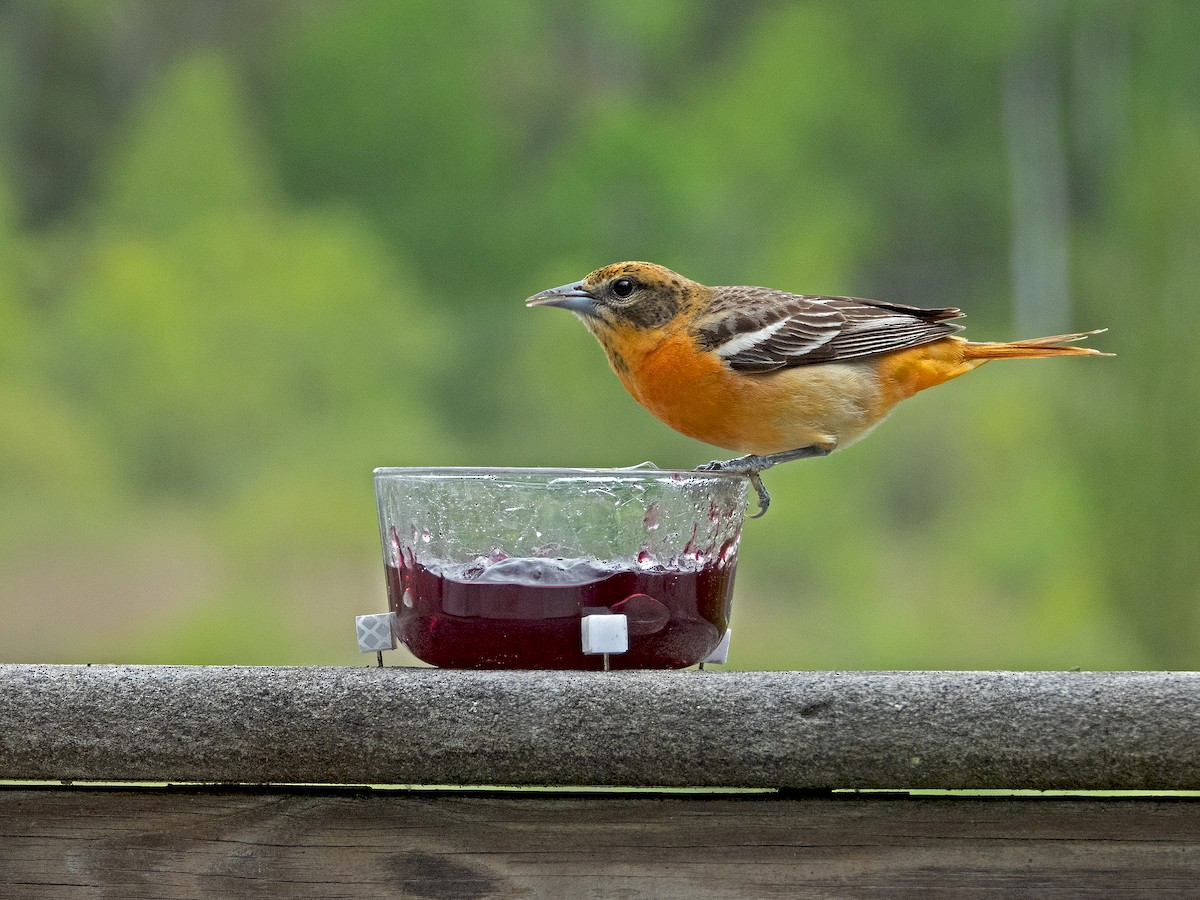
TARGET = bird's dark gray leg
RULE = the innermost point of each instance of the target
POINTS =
(753, 464)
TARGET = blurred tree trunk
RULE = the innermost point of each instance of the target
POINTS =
(1038, 171)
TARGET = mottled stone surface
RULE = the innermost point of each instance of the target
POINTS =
(1067, 730)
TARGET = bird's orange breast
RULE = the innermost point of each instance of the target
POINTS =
(688, 390)
(830, 404)
(697, 394)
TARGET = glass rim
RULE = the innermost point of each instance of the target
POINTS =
(628, 474)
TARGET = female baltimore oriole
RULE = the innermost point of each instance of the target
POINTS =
(775, 375)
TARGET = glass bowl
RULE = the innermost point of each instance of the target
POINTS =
(496, 568)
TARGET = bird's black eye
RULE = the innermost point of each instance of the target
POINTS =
(623, 287)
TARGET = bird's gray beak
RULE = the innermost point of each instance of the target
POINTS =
(568, 296)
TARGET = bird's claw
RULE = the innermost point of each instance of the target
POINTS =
(742, 466)
(753, 465)
(764, 499)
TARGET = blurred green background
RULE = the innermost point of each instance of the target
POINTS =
(249, 251)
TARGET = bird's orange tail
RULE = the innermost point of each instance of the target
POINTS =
(905, 372)
(1031, 349)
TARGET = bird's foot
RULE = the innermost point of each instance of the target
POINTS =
(753, 464)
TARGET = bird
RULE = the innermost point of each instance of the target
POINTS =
(773, 375)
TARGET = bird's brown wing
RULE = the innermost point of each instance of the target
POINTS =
(760, 330)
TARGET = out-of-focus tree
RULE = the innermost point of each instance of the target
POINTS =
(209, 324)
(249, 251)
(1138, 271)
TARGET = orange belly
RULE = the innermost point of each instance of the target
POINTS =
(829, 404)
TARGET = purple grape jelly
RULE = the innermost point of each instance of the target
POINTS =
(524, 613)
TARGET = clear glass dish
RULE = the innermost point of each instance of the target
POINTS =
(496, 568)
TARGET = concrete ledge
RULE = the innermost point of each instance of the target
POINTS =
(1063, 730)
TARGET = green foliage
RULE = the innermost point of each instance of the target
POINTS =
(209, 326)
(1139, 267)
(291, 244)
(190, 153)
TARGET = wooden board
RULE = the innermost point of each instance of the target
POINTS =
(295, 843)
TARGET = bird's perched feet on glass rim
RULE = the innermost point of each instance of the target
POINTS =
(752, 466)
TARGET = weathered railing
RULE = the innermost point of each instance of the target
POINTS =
(789, 739)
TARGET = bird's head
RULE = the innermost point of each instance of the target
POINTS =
(638, 295)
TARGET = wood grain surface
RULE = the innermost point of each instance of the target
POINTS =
(293, 843)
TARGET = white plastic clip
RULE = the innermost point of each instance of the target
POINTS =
(607, 633)
(376, 632)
